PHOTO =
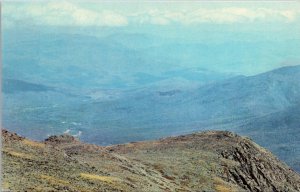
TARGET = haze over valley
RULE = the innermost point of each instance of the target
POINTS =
(126, 80)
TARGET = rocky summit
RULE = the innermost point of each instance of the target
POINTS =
(209, 161)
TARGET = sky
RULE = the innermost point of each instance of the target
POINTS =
(272, 26)
(120, 14)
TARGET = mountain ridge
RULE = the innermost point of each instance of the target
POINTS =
(205, 161)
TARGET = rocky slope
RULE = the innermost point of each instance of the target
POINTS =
(208, 161)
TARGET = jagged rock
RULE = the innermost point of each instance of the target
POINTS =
(9, 136)
(61, 139)
(258, 170)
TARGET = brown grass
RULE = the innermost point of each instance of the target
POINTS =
(114, 182)
(33, 143)
(5, 185)
(106, 179)
(221, 186)
(17, 154)
(53, 180)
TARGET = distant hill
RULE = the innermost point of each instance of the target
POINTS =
(226, 104)
(264, 106)
(209, 161)
(14, 86)
(88, 62)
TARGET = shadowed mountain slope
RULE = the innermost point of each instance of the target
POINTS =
(264, 106)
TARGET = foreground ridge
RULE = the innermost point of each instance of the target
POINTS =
(206, 161)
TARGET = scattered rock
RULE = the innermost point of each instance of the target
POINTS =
(61, 139)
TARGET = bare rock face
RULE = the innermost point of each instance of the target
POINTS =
(258, 170)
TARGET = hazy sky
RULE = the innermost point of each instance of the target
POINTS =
(76, 13)
(271, 26)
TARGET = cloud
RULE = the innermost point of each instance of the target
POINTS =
(70, 14)
(160, 21)
(222, 16)
(62, 14)
(289, 15)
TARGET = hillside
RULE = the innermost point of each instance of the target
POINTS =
(264, 106)
(206, 161)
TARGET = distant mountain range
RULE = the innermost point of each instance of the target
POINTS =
(87, 62)
(128, 60)
(264, 106)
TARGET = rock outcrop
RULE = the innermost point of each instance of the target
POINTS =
(258, 170)
(61, 139)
